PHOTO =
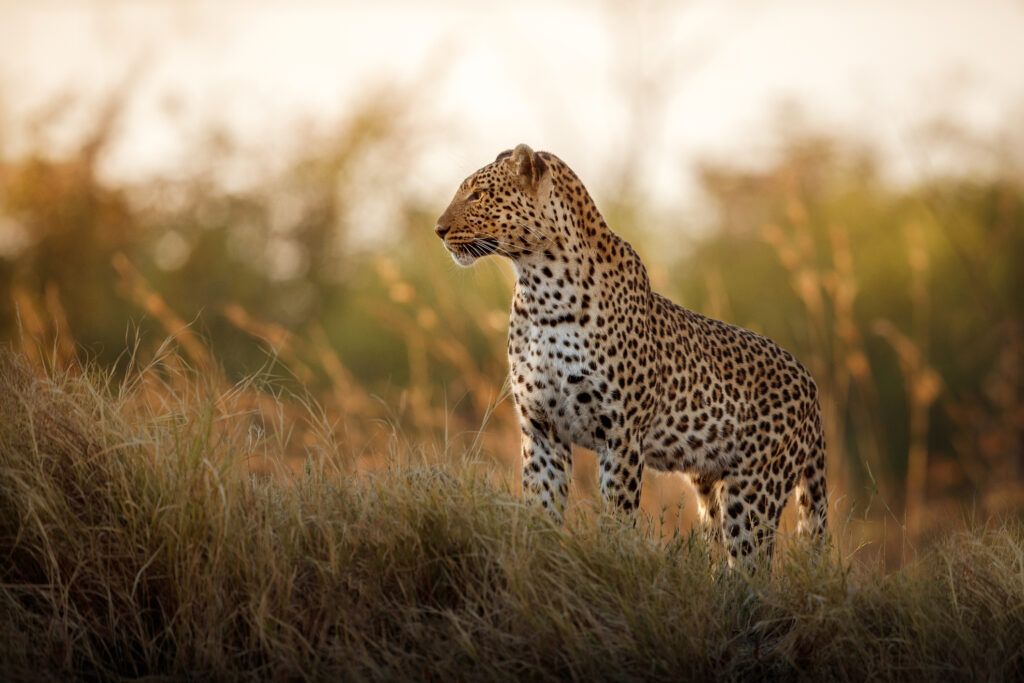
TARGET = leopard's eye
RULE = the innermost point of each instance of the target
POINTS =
(472, 196)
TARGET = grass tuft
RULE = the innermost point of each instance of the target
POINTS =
(137, 542)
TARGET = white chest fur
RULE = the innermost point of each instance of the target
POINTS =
(551, 377)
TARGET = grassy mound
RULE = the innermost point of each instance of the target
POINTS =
(135, 542)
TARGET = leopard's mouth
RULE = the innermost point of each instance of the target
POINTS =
(465, 253)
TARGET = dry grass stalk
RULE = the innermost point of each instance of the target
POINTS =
(150, 301)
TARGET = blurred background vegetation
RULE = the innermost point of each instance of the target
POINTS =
(903, 298)
(905, 302)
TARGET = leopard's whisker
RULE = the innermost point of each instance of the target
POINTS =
(510, 245)
(548, 240)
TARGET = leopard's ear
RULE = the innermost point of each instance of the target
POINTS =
(528, 165)
(504, 155)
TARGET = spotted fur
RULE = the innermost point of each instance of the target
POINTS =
(599, 360)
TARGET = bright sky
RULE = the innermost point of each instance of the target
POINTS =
(668, 82)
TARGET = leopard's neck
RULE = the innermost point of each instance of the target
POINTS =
(568, 280)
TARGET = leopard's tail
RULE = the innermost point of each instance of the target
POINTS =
(811, 494)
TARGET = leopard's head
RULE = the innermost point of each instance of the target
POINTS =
(499, 209)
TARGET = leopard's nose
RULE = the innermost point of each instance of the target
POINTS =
(441, 230)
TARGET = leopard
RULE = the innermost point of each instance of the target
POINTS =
(599, 360)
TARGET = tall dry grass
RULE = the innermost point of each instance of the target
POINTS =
(140, 542)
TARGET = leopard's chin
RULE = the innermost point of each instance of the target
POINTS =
(466, 254)
(462, 258)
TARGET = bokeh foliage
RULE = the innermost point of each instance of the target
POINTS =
(905, 302)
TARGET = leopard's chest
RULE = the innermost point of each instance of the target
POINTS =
(553, 377)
